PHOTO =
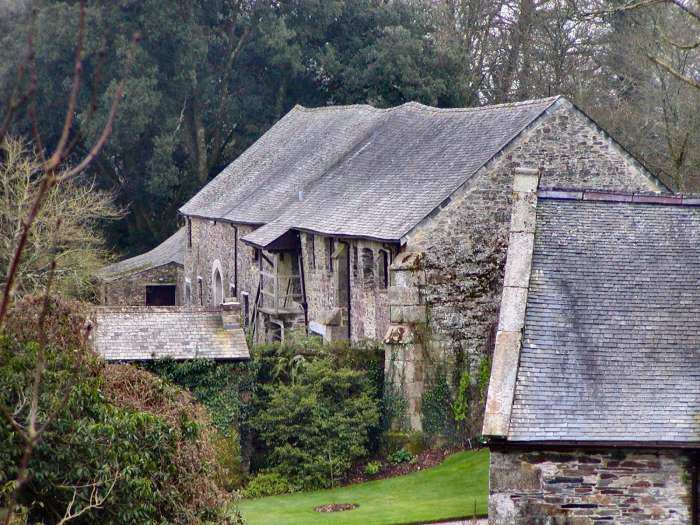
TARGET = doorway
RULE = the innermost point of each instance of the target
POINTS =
(160, 295)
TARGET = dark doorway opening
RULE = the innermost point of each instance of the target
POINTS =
(343, 284)
(246, 310)
(160, 295)
(694, 466)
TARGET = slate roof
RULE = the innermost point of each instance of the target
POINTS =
(291, 156)
(171, 250)
(141, 333)
(611, 344)
(364, 172)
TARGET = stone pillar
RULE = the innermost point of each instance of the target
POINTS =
(513, 302)
(404, 366)
(334, 329)
(231, 315)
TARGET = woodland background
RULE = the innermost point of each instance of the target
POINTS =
(210, 76)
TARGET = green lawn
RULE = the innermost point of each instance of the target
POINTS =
(449, 490)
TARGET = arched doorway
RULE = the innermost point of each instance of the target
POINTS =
(217, 283)
(218, 287)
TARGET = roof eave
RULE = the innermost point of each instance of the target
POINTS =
(222, 219)
(127, 273)
(335, 235)
(574, 443)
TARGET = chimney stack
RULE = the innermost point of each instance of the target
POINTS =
(231, 315)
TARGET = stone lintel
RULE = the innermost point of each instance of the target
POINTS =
(504, 370)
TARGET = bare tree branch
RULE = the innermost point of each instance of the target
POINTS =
(666, 66)
(95, 500)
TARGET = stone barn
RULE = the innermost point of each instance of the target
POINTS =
(357, 223)
(153, 278)
(593, 410)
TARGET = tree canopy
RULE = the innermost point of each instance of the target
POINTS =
(211, 76)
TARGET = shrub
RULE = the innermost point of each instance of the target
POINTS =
(138, 441)
(372, 468)
(198, 483)
(316, 413)
(219, 387)
(267, 484)
(400, 456)
(307, 431)
(417, 443)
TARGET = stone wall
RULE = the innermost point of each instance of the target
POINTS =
(465, 242)
(369, 295)
(213, 246)
(130, 290)
(589, 487)
(369, 305)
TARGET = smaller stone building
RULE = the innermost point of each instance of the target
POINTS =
(154, 278)
(594, 401)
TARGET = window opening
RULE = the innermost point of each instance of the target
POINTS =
(354, 261)
(218, 294)
(188, 293)
(384, 268)
(367, 265)
(329, 253)
(246, 309)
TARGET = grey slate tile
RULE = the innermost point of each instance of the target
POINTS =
(171, 250)
(360, 171)
(611, 346)
(141, 333)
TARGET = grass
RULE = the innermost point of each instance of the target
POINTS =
(457, 488)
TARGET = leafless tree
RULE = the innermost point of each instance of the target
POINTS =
(686, 13)
(31, 423)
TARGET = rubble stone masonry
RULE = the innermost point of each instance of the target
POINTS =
(214, 241)
(464, 243)
(130, 290)
(589, 487)
(369, 305)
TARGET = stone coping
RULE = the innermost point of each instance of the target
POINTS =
(612, 196)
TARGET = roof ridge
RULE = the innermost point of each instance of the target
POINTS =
(677, 199)
(417, 105)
